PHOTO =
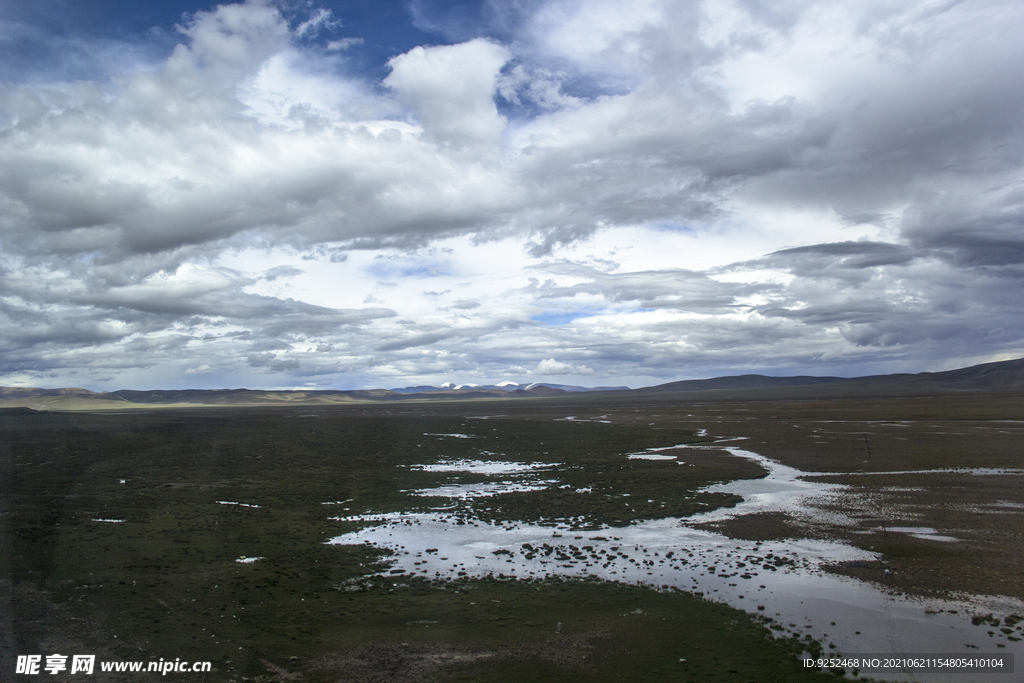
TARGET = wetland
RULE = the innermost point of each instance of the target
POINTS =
(532, 539)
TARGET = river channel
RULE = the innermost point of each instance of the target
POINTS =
(780, 580)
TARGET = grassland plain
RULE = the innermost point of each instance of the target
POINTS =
(200, 489)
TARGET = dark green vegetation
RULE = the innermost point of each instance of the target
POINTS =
(165, 582)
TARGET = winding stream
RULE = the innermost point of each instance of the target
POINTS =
(781, 580)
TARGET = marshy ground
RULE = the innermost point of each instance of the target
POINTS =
(133, 535)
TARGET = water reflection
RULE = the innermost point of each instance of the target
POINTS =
(780, 580)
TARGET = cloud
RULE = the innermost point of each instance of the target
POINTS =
(451, 88)
(268, 143)
(855, 255)
(550, 366)
(344, 43)
(982, 229)
(684, 187)
(272, 363)
(281, 271)
(230, 41)
(676, 288)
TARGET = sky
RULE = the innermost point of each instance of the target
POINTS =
(387, 193)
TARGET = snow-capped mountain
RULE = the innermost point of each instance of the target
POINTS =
(507, 385)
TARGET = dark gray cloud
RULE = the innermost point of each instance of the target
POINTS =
(677, 289)
(974, 231)
(842, 182)
(815, 259)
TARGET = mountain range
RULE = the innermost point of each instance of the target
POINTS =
(999, 377)
(503, 386)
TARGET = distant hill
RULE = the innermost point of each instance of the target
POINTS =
(1005, 375)
(999, 377)
(988, 378)
(25, 392)
(741, 382)
(83, 399)
(575, 389)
